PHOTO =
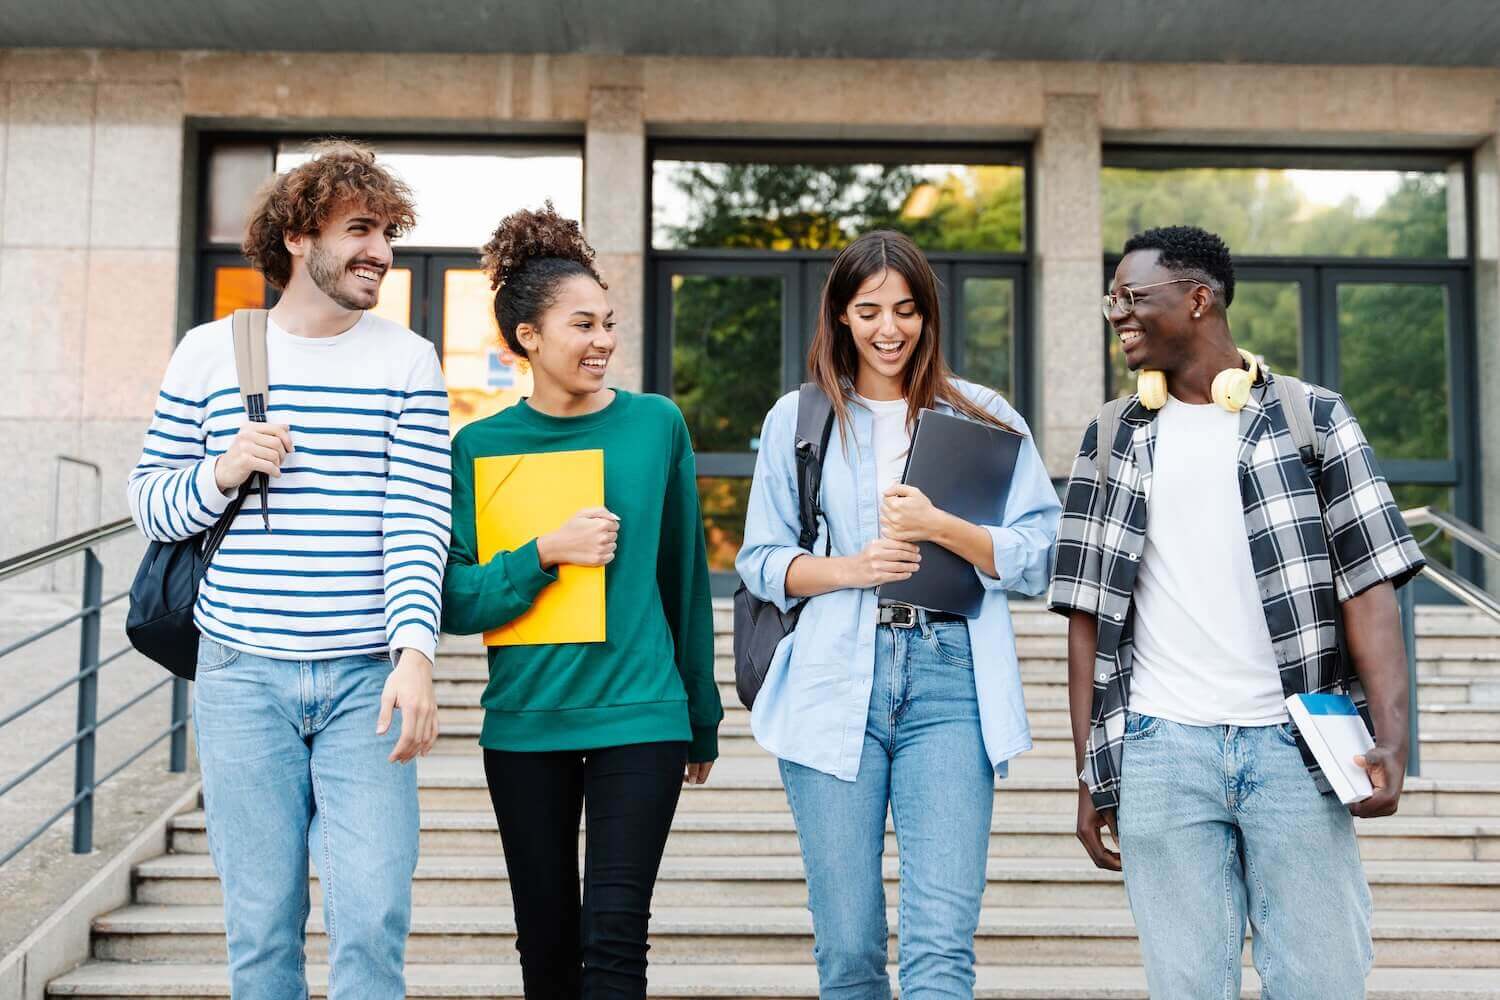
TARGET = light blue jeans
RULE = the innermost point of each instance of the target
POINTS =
(924, 757)
(1219, 824)
(291, 766)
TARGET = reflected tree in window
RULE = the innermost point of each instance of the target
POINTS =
(1394, 361)
(1262, 212)
(781, 206)
(726, 356)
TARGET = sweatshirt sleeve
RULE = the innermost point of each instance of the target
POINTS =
(682, 577)
(171, 490)
(481, 596)
(415, 519)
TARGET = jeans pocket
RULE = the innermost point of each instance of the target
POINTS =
(214, 655)
(1286, 733)
(951, 641)
(1139, 726)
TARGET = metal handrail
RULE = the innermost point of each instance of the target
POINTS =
(61, 549)
(1464, 533)
(88, 722)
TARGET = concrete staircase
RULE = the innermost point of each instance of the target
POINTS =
(730, 908)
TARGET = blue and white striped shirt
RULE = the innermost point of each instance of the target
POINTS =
(359, 515)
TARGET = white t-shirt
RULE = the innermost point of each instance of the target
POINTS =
(1203, 654)
(892, 441)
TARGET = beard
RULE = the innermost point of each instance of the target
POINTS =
(327, 271)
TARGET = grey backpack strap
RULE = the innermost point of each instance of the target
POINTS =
(1104, 441)
(1298, 412)
(252, 370)
(250, 361)
(814, 425)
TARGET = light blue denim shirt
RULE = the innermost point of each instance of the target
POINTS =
(816, 697)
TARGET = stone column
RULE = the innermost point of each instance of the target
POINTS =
(616, 217)
(1487, 327)
(1069, 258)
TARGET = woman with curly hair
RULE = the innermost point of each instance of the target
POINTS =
(613, 728)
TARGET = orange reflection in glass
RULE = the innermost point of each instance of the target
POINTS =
(238, 288)
(481, 374)
(395, 297)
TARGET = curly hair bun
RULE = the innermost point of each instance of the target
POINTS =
(525, 236)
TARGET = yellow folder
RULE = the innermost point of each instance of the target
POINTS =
(521, 497)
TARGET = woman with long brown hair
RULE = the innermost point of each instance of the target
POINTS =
(870, 705)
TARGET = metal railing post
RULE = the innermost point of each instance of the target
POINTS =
(1408, 598)
(88, 703)
(179, 725)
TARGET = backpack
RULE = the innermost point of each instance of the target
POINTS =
(759, 626)
(160, 621)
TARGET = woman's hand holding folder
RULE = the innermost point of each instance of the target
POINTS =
(588, 538)
(907, 515)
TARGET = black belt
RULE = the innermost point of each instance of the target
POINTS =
(909, 616)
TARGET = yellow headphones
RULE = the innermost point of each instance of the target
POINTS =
(1231, 388)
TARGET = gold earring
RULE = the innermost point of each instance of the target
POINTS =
(523, 367)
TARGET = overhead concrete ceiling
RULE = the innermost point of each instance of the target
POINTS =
(1400, 32)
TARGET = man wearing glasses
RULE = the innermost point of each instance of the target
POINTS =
(1204, 565)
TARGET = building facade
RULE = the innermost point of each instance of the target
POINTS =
(125, 173)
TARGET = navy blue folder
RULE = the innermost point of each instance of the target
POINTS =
(965, 468)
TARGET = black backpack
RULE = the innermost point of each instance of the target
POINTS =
(165, 589)
(759, 626)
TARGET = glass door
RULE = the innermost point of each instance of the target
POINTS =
(723, 352)
(482, 374)
(1398, 358)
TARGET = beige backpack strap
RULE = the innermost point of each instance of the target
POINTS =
(250, 361)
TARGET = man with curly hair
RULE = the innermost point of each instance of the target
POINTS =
(319, 614)
(1207, 560)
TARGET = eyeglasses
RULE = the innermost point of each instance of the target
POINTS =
(1125, 300)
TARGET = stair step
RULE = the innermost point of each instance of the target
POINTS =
(1089, 981)
(755, 935)
(479, 877)
(773, 834)
(1053, 741)
(1048, 691)
(752, 783)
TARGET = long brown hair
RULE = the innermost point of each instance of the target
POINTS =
(833, 360)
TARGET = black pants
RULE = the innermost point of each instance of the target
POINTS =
(597, 950)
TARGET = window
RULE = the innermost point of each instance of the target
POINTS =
(806, 199)
(1355, 279)
(1413, 210)
(462, 189)
(742, 239)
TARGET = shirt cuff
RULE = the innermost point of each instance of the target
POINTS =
(414, 636)
(705, 745)
(774, 574)
(208, 489)
(524, 572)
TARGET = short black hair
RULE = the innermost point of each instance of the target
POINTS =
(1192, 253)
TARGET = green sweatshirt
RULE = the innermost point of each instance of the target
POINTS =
(653, 679)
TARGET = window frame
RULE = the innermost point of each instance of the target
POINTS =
(1320, 277)
(803, 271)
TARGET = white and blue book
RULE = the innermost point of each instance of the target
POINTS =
(1334, 731)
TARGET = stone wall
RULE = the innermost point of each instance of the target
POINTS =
(93, 191)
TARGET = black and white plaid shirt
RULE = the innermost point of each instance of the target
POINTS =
(1320, 533)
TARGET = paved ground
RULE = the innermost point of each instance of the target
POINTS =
(35, 882)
